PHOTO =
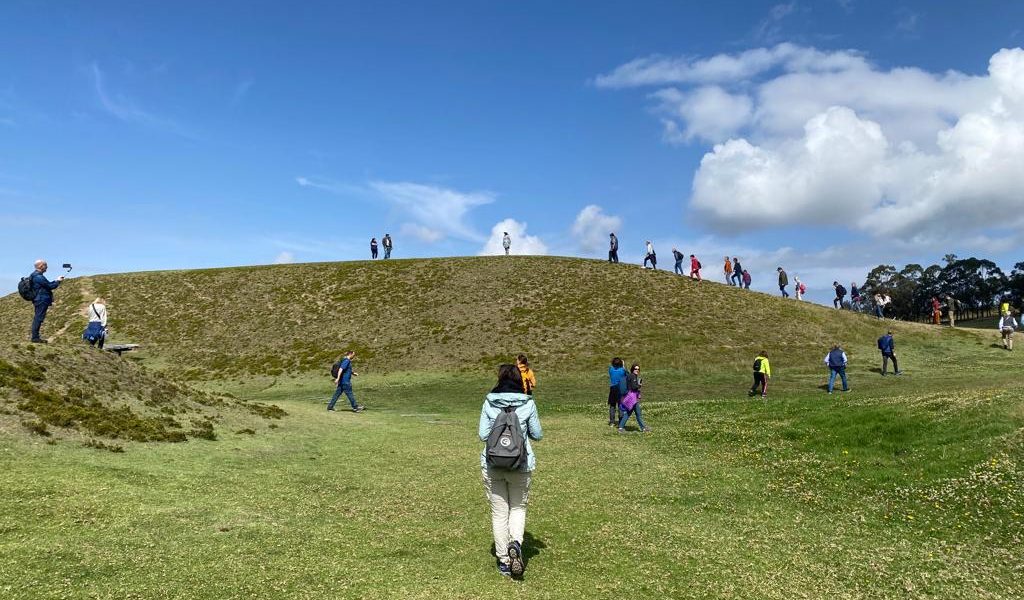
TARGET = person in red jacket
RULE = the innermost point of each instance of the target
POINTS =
(936, 311)
(695, 267)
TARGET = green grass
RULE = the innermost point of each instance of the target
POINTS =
(908, 487)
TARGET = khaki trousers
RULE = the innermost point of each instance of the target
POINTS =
(508, 493)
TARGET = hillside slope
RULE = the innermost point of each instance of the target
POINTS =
(453, 313)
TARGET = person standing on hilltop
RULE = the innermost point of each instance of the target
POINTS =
(936, 311)
(737, 271)
(508, 423)
(783, 282)
(695, 268)
(373, 248)
(616, 389)
(676, 254)
(836, 362)
(42, 290)
(343, 373)
(888, 349)
(727, 268)
(96, 331)
(762, 373)
(951, 308)
(613, 248)
(387, 243)
(650, 255)
(506, 242)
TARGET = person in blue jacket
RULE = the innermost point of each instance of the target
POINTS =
(344, 382)
(508, 491)
(616, 390)
(888, 348)
(43, 289)
(836, 361)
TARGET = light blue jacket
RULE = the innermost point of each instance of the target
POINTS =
(529, 422)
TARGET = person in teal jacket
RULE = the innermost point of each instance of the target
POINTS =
(508, 491)
(616, 390)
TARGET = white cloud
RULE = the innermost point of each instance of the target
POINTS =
(592, 227)
(433, 212)
(522, 244)
(421, 233)
(284, 258)
(830, 139)
(125, 109)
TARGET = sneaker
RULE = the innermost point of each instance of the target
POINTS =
(899, 372)
(359, 408)
(645, 430)
(515, 559)
(330, 410)
(40, 342)
(611, 423)
(503, 569)
(846, 390)
(764, 396)
(830, 393)
(621, 430)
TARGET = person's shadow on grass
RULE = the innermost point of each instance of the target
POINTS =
(532, 546)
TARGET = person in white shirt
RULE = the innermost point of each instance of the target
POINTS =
(96, 331)
(506, 242)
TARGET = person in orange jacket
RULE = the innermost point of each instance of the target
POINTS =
(728, 270)
(529, 379)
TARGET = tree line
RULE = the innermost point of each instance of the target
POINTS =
(977, 284)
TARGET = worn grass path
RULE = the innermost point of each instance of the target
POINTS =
(905, 488)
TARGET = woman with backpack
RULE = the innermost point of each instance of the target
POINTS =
(616, 389)
(508, 421)
(630, 404)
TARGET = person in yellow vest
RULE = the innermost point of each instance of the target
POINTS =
(762, 373)
(529, 379)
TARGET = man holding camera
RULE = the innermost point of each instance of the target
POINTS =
(43, 289)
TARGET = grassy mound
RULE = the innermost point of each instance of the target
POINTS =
(78, 392)
(452, 314)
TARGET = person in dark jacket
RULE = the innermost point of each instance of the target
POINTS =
(737, 271)
(43, 289)
(836, 362)
(783, 282)
(373, 248)
(630, 404)
(888, 349)
(613, 248)
(840, 294)
(676, 254)
(388, 245)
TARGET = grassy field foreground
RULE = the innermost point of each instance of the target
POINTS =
(905, 488)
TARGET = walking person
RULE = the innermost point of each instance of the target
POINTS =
(737, 271)
(42, 297)
(506, 242)
(836, 362)
(616, 389)
(526, 374)
(343, 373)
(888, 349)
(762, 373)
(840, 295)
(936, 311)
(508, 418)
(387, 243)
(676, 254)
(613, 248)
(879, 306)
(854, 292)
(783, 282)
(951, 307)
(727, 269)
(630, 403)
(96, 331)
(799, 287)
(746, 280)
(650, 256)
(1007, 325)
(373, 248)
(695, 268)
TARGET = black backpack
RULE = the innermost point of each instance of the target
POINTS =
(699, 266)
(757, 365)
(334, 370)
(840, 292)
(506, 448)
(26, 290)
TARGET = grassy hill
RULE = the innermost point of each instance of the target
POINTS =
(459, 314)
(906, 487)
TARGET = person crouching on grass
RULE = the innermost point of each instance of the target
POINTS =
(630, 404)
(508, 488)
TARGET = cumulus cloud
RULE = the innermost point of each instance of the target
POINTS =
(592, 226)
(433, 212)
(831, 139)
(522, 244)
(284, 258)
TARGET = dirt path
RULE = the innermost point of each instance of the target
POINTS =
(87, 294)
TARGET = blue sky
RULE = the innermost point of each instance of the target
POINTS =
(824, 136)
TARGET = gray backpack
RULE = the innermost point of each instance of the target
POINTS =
(506, 448)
